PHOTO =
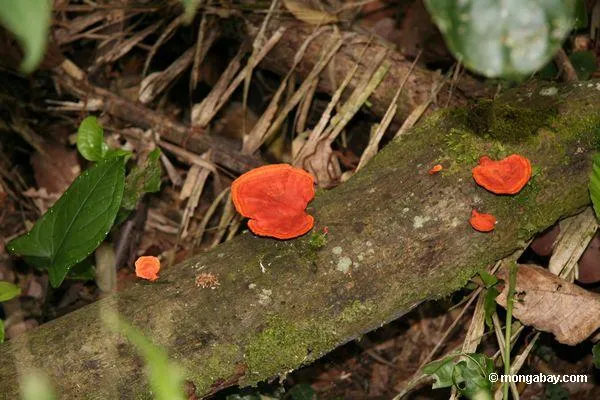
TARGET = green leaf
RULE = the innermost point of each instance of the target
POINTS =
(29, 21)
(489, 305)
(302, 391)
(488, 279)
(78, 222)
(1, 331)
(142, 180)
(90, 139)
(166, 378)
(471, 376)
(503, 38)
(83, 271)
(441, 370)
(595, 184)
(596, 354)
(8, 291)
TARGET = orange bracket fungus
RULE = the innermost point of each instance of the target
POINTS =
(147, 267)
(435, 169)
(482, 222)
(506, 176)
(274, 197)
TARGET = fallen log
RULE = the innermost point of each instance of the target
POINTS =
(397, 237)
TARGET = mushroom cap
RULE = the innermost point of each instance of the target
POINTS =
(506, 176)
(482, 222)
(147, 267)
(274, 197)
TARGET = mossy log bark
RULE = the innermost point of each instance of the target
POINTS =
(397, 236)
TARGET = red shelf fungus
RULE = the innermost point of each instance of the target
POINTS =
(274, 197)
(506, 176)
(435, 169)
(482, 222)
(147, 267)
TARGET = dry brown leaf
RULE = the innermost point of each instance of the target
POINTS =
(551, 304)
(55, 169)
(305, 13)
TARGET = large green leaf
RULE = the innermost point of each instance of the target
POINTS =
(595, 184)
(508, 38)
(8, 291)
(90, 139)
(29, 21)
(77, 223)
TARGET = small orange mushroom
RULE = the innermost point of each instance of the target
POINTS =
(482, 222)
(147, 267)
(275, 197)
(506, 176)
(435, 169)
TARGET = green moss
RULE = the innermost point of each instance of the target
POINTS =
(356, 311)
(220, 365)
(284, 346)
(317, 240)
(510, 122)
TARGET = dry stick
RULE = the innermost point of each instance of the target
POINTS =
(369, 82)
(373, 145)
(207, 216)
(174, 132)
(202, 47)
(326, 116)
(166, 35)
(564, 65)
(418, 111)
(254, 139)
(257, 45)
(327, 53)
(125, 46)
(155, 84)
(221, 100)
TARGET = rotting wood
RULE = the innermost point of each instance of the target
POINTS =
(417, 89)
(397, 236)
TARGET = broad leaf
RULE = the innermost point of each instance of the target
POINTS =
(90, 139)
(166, 378)
(595, 184)
(508, 38)
(441, 370)
(8, 291)
(142, 180)
(77, 223)
(29, 21)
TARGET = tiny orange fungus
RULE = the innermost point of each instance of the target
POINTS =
(435, 169)
(275, 197)
(147, 267)
(482, 222)
(506, 176)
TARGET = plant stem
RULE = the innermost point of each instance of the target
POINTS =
(507, 335)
